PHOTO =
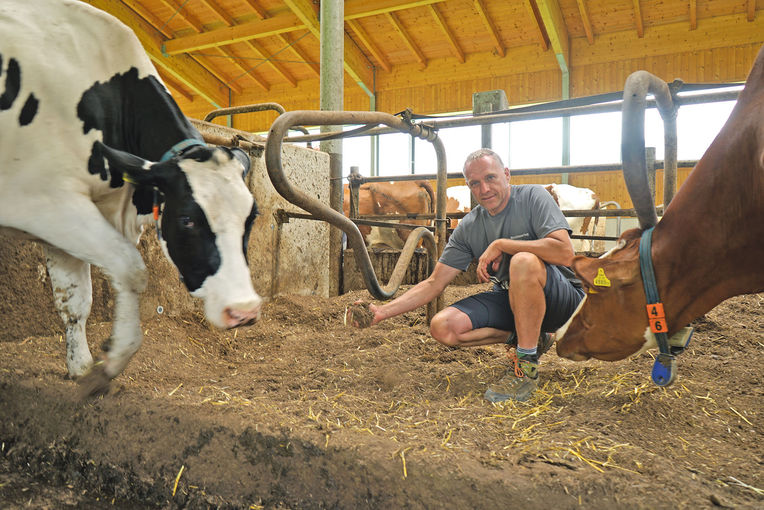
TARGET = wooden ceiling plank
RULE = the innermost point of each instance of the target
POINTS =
(366, 40)
(441, 22)
(363, 8)
(149, 17)
(257, 8)
(559, 39)
(286, 40)
(584, 12)
(217, 73)
(260, 50)
(693, 14)
(480, 6)
(182, 68)
(183, 13)
(171, 83)
(220, 12)
(533, 10)
(355, 62)
(406, 38)
(282, 23)
(638, 19)
(751, 15)
(250, 71)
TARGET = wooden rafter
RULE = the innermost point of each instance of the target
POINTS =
(393, 19)
(356, 64)
(248, 70)
(584, 12)
(480, 6)
(693, 14)
(257, 8)
(183, 13)
(533, 10)
(366, 40)
(363, 8)
(751, 14)
(149, 17)
(182, 68)
(638, 19)
(559, 40)
(286, 40)
(282, 23)
(441, 22)
(220, 12)
(260, 50)
(175, 86)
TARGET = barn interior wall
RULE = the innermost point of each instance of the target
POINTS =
(434, 90)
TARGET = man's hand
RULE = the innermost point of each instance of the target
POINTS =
(491, 257)
(361, 315)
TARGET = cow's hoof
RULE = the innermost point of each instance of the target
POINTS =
(95, 383)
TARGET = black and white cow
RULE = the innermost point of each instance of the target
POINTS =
(90, 143)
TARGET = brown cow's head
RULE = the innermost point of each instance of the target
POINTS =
(591, 331)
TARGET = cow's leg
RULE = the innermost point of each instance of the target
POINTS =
(75, 226)
(73, 296)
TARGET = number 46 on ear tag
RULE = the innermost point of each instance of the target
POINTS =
(657, 318)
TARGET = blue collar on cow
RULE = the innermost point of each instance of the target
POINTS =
(181, 146)
(664, 369)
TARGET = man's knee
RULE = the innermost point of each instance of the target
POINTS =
(527, 267)
(447, 324)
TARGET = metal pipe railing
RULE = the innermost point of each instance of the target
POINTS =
(355, 239)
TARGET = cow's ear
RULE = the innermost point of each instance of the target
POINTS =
(134, 168)
(586, 269)
(242, 158)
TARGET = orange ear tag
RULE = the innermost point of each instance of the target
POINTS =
(601, 280)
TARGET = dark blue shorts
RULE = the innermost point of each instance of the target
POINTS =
(491, 309)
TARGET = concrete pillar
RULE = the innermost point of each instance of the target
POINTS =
(332, 87)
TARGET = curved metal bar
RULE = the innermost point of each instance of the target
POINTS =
(257, 107)
(355, 239)
(637, 86)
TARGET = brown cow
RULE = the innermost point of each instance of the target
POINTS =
(399, 197)
(708, 247)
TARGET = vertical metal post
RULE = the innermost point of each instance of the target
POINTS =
(332, 16)
(565, 126)
(650, 160)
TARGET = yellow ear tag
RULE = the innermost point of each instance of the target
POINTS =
(592, 291)
(601, 280)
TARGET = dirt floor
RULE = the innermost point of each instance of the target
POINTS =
(300, 411)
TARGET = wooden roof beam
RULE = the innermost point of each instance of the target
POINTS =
(693, 14)
(260, 50)
(181, 11)
(751, 14)
(583, 11)
(282, 23)
(441, 22)
(172, 84)
(356, 64)
(286, 40)
(182, 68)
(144, 13)
(257, 8)
(559, 39)
(363, 8)
(220, 12)
(480, 6)
(533, 10)
(393, 19)
(638, 19)
(366, 40)
(248, 70)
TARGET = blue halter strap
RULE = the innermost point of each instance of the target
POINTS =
(180, 147)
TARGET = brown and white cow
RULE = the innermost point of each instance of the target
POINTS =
(394, 197)
(567, 197)
(709, 245)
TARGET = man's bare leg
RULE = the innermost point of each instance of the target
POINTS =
(527, 274)
(453, 327)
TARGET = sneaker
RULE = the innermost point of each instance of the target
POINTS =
(518, 383)
(546, 340)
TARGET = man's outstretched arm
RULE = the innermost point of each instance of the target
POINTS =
(418, 295)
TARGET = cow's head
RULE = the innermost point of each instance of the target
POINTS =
(208, 213)
(613, 285)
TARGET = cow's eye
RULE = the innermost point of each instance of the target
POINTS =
(186, 222)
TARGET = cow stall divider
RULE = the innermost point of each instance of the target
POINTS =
(369, 120)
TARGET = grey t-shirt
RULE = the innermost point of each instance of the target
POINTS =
(530, 214)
